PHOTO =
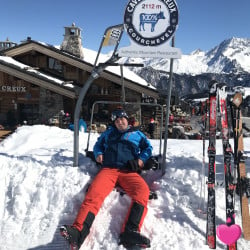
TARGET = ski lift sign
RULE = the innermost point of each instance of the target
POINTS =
(150, 24)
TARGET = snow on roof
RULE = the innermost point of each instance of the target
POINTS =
(22, 66)
(89, 57)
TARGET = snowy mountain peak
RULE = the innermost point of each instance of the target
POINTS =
(236, 42)
(197, 52)
(230, 56)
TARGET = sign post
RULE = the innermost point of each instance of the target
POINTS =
(150, 25)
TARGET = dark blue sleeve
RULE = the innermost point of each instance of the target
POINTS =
(99, 146)
(146, 148)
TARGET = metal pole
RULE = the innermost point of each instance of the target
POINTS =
(167, 112)
(94, 75)
(77, 114)
(123, 97)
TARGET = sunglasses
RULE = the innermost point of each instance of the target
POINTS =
(118, 114)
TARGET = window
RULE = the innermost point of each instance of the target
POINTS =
(55, 65)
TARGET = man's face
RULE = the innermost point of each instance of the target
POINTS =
(121, 123)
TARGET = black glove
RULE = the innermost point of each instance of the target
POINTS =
(133, 165)
(151, 163)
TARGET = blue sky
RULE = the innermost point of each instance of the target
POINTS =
(202, 24)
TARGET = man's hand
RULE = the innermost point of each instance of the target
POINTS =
(99, 159)
(135, 165)
(140, 163)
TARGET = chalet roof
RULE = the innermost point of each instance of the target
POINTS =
(131, 80)
(29, 74)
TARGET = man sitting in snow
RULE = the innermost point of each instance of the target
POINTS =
(122, 152)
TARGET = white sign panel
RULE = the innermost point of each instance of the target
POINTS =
(150, 24)
(150, 52)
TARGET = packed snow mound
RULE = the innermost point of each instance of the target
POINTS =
(40, 191)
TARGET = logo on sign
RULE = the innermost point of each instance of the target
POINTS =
(151, 22)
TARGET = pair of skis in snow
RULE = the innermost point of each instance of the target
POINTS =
(230, 232)
(243, 182)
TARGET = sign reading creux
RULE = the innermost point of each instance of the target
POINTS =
(150, 24)
(8, 88)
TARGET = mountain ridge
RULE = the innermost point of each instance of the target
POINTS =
(227, 62)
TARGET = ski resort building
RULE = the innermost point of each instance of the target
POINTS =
(41, 82)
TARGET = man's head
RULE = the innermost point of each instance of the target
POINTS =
(120, 119)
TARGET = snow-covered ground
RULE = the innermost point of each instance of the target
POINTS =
(40, 190)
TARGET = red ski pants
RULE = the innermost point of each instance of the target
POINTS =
(104, 182)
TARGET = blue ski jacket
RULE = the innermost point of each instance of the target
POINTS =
(118, 147)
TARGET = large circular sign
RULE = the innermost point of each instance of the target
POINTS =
(151, 22)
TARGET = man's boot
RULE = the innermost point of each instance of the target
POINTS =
(131, 235)
(133, 238)
(73, 235)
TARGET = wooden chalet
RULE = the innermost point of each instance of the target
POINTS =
(39, 82)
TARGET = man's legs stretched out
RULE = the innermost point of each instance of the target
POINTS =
(101, 186)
